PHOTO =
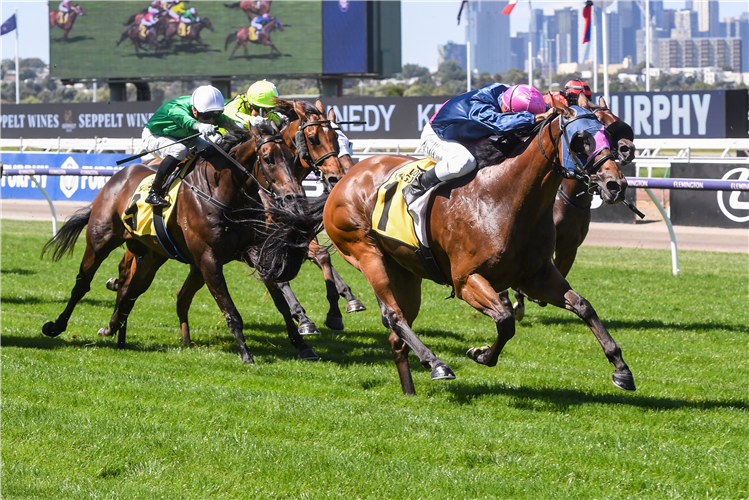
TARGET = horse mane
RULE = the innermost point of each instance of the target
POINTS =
(287, 107)
(233, 137)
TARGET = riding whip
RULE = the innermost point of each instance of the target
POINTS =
(135, 157)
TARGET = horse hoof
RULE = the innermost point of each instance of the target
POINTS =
(624, 381)
(308, 329)
(355, 305)
(48, 329)
(519, 310)
(475, 352)
(442, 372)
(104, 332)
(308, 355)
(334, 323)
(112, 284)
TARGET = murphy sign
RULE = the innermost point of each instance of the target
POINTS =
(690, 114)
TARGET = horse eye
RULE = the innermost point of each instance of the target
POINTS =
(314, 140)
(268, 159)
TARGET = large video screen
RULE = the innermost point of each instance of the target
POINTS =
(105, 39)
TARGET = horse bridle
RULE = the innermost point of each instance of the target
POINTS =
(582, 173)
(303, 151)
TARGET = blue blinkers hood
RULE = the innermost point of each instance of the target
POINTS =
(584, 124)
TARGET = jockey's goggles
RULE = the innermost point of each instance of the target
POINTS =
(209, 115)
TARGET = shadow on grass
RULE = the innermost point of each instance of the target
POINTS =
(36, 300)
(551, 399)
(73, 39)
(645, 324)
(19, 272)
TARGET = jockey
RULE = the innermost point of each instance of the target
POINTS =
(155, 7)
(176, 10)
(149, 20)
(491, 110)
(64, 6)
(190, 16)
(177, 119)
(259, 101)
(260, 21)
(572, 90)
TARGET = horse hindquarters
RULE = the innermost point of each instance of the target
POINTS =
(550, 286)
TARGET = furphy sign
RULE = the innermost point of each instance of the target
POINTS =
(689, 114)
(84, 120)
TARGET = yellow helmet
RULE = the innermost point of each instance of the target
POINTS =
(261, 94)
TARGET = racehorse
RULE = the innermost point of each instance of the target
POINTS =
(220, 218)
(251, 7)
(192, 31)
(573, 202)
(262, 37)
(152, 33)
(490, 232)
(59, 19)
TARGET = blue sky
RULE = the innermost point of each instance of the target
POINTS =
(425, 24)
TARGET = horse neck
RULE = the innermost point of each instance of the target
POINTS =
(577, 192)
(530, 176)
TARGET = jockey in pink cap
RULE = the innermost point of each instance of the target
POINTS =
(491, 110)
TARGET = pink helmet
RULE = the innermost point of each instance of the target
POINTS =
(522, 98)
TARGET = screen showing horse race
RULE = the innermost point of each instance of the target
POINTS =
(171, 38)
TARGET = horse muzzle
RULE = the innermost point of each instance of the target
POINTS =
(612, 191)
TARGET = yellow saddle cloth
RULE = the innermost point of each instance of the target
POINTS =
(252, 35)
(62, 17)
(183, 29)
(142, 31)
(390, 217)
(138, 218)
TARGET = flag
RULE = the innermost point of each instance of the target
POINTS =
(586, 15)
(462, 4)
(509, 7)
(9, 25)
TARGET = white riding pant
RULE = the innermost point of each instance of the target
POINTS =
(169, 145)
(453, 159)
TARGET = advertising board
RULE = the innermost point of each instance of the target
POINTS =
(729, 209)
(109, 40)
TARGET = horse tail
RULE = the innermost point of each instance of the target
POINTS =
(123, 36)
(234, 5)
(231, 37)
(130, 20)
(286, 240)
(64, 241)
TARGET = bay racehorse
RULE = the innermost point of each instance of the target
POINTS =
(187, 32)
(487, 234)
(262, 37)
(65, 21)
(251, 7)
(573, 202)
(219, 218)
(140, 35)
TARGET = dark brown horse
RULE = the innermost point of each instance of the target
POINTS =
(251, 7)
(141, 35)
(488, 233)
(187, 32)
(59, 19)
(572, 205)
(262, 37)
(221, 218)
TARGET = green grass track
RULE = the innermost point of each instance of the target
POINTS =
(81, 419)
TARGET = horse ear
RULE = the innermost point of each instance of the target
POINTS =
(582, 101)
(602, 102)
(299, 110)
(331, 115)
(318, 105)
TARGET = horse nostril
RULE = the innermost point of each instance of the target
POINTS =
(333, 179)
(613, 187)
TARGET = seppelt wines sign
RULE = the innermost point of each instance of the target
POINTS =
(689, 114)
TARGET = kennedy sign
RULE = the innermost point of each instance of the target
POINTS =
(691, 114)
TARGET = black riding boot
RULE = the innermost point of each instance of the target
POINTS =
(421, 185)
(157, 192)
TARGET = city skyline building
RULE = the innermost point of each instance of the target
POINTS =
(488, 31)
(452, 51)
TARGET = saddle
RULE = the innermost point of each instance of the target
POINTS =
(252, 35)
(184, 29)
(62, 17)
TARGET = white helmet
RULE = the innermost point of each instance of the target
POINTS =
(207, 98)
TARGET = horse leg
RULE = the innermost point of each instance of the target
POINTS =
(92, 259)
(127, 268)
(383, 276)
(144, 270)
(320, 256)
(306, 325)
(407, 291)
(550, 286)
(519, 307)
(478, 293)
(213, 273)
(190, 287)
(565, 260)
(280, 300)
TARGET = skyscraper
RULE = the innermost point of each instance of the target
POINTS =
(488, 31)
(566, 36)
(629, 18)
(707, 15)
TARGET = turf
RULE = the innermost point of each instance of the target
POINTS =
(91, 49)
(81, 419)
